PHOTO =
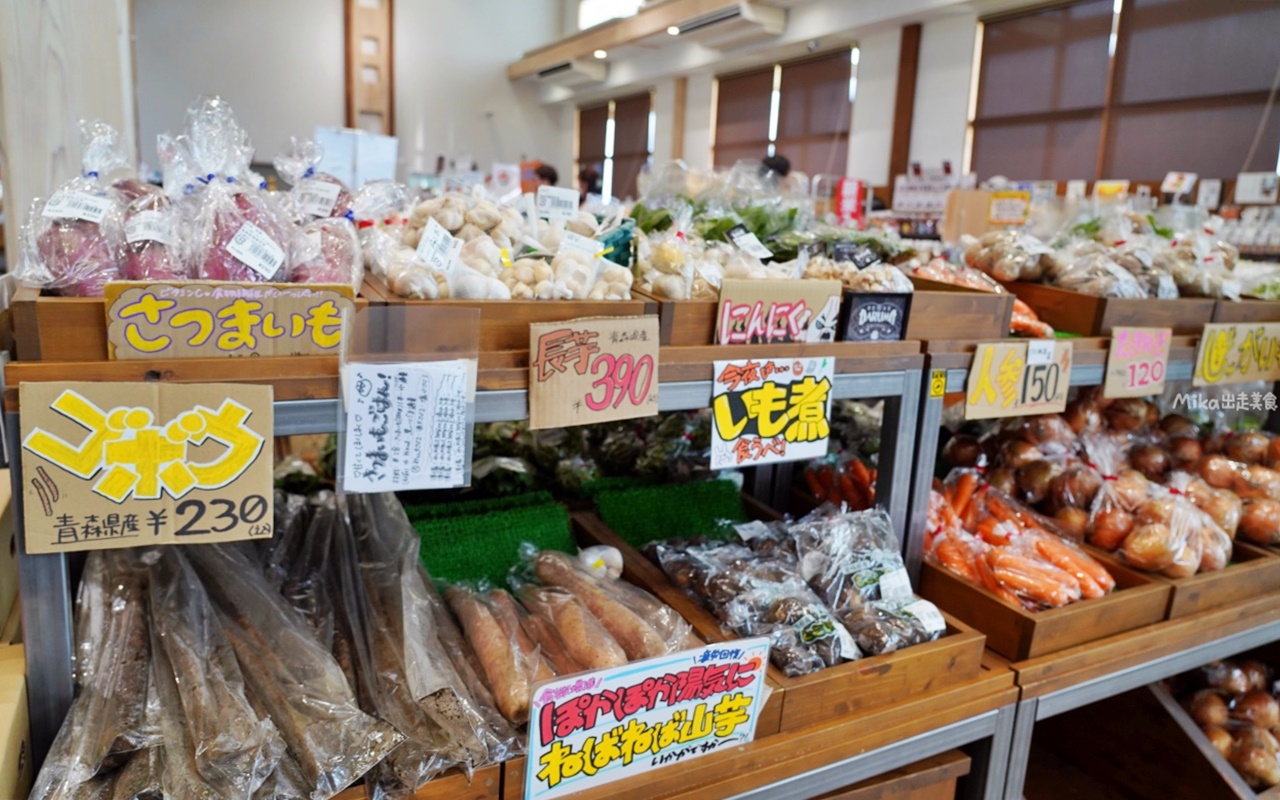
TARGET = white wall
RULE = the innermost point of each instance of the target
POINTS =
(452, 93)
(279, 64)
(942, 90)
(871, 134)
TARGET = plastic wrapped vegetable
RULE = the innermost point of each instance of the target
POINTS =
(507, 668)
(331, 255)
(754, 595)
(234, 750)
(293, 677)
(1009, 256)
(314, 194)
(73, 242)
(238, 233)
(643, 625)
(585, 640)
(153, 232)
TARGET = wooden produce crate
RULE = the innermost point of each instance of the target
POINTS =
(485, 784)
(946, 311)
(1247, 310)
(1018, 634)
(931, 779)
(49, 328)
(1252, 572)
(1087, 315)
(504, 324)
(684, 323)
(835, 692)
(1130, 745)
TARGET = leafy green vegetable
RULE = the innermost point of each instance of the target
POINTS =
(1088, 229)
(1166, 233)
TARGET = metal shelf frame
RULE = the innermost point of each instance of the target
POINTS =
(45, 580)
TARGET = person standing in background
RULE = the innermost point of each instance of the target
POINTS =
(778, 165)
(588, 183)
(547, 175)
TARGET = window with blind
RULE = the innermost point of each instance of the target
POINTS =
(800, 110)
(1130, 90)
(613, 139)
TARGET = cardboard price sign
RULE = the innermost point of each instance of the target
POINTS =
(657, 712)
(1238, 353)
(408, 425)
(773, 311)
(122, 464)
(1137, 362)
(217, 319)
(594, 369)
(1006, 382)
(768, 411)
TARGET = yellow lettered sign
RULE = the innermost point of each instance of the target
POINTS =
(770, 410)
(218, 320)
(1010, 379)
(122, 464)
(1238, 353)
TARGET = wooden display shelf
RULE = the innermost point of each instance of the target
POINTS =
(1252, 572)
(853, 687)
(1123, 747)
(1018, 634)
(1247, 310)
(504, 324)
(1087, 315)
(946, 311)
(1071, 667)
(931, 779)
(49, 328)
(485, 784)
(775, 758)
(684, 323)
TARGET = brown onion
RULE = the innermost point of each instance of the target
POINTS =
(1247, 448)
(1073, 521)
(1111, 526)
(1127, 415)
(1150, 547)
(1207, 707)
(1077, 487)
(1083, 415)
(1219, 738)
(1258, 708)
(1034, 479)
(1015, 454)
(1217, 471)
(963, 451)
(1178, 425)
(1260, 522)
(1184, 450)
(1150, 460)
(1004, 480)
(1257, 673)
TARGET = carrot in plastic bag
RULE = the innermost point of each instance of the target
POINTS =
(1094, 579)
(1037, 580)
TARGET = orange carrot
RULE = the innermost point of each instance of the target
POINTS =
(860, 473)
(952, 555)
(815, 486)
(1094, 579)
(964, 488)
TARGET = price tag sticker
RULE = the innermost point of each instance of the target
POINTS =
(1040, 351)
(438, 248)
(751, 530)
(1137, 362)
(68, 204)
(256, 250)
(583, 244)
(928, 615)
(317, 197)
(180, 464)
(895, 585)
(149, 225)
(1238, 353)
(770, 410)
(748, 242)
(594, 369)
(556, 203)
(1003, 382)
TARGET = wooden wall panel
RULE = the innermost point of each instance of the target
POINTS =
(370, 66)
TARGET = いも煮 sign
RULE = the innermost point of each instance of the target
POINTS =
(766, 411)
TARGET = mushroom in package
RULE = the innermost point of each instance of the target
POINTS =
(73, 242)
(314, 194)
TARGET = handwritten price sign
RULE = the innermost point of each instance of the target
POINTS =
(1011, 379)
(1138, 361)
(651, 714)
(592, 370)
(1238, 353)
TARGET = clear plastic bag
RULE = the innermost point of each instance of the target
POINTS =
(644, 626)
(233, 749)
(154, 234)
(73, 241)
(294, 678)
(331, 254)
(586, 643)
(239, 233)
(507, 670)
(314, 194)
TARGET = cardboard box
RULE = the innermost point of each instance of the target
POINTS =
(16, 773)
